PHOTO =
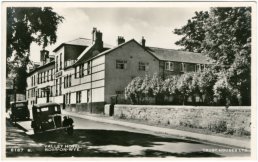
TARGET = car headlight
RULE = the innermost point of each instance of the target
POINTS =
(49, 120)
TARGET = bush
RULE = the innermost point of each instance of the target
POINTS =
(218, 126)
(242, 132)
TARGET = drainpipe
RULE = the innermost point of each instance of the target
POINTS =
(90, 86)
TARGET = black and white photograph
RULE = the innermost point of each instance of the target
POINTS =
(128, 80)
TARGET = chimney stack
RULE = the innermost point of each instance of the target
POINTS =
(143, 42)
(97, 39)
(94, 34)
(120, 40)
(44, 56)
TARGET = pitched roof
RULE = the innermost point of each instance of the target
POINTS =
(179, 56)
(80, 42)
(120, 45)
(84, 55)
(41, 67)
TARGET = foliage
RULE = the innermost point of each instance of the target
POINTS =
(170, 85)
(134, 89)
(193, 32)
(223, 34)
(222, 88)
(184, 85)
(156, 85)
(24, 26)
(206, 80)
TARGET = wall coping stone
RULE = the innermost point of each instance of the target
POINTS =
(185, 107)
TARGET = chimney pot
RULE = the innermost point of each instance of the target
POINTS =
(44, 55)
(94, 30)
(120, 40)
(143, 42)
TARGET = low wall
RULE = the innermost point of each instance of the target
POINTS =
(235, 120)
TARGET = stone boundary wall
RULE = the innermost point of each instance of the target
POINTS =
(235, 120)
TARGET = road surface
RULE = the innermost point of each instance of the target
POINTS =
(96, 139)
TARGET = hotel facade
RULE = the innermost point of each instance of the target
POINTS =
(83, 74)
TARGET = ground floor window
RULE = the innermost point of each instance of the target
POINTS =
(78, 96)
(88, 95)
(68, 98)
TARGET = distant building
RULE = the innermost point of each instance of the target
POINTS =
(10, 93)
(87, 73)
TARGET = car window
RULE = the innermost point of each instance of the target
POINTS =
(21, 108)
(44, 109)
(57, 108)
(20, 104)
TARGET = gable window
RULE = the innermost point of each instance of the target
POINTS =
(121, 64)
(183, 68)
(143, 66)
(169, 66)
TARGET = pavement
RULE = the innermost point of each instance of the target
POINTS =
(241, 143)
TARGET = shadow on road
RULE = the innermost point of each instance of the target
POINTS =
(94, 140)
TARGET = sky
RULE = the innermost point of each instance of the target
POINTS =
(156, 25)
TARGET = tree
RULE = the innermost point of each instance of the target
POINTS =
(193, 32)
(24, 26)
(155, 85)
(184, 86)
(223, 89)
(225, 36)
(227, 31)
(134, 90)
(206, 81)
(170, 85)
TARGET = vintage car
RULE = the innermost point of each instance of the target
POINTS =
(19, 111)
(47, 117)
